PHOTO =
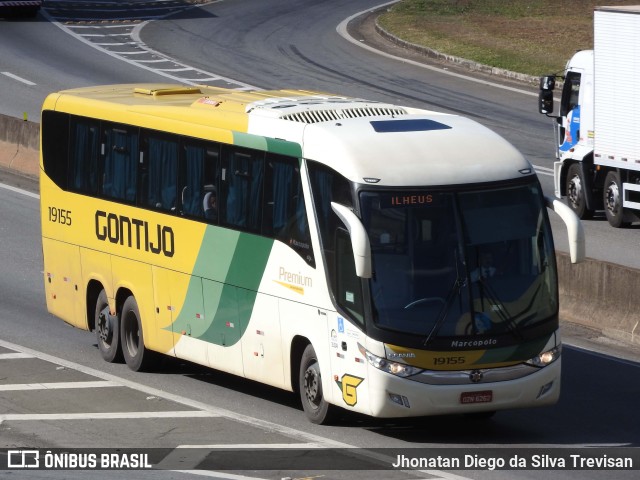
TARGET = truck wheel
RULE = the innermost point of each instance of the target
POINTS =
(107, 330)
(612, 198)
(136, 356)
(575, 188)
(310, 385)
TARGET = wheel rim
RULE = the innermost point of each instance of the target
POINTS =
(613, 198)
(312, 386)
(131, 334)
(105, 332)
(574, 191)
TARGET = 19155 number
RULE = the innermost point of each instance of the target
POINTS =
(60, 215)
(441, 361)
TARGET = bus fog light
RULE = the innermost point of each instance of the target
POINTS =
(399, 399)
(545, 389)
(546, 358)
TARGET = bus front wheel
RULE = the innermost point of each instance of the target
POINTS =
(137, 357)
(317, 409)
(107, 330)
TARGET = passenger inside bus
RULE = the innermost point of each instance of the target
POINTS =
(210, 205)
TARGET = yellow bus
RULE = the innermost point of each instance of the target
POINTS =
(372, 257)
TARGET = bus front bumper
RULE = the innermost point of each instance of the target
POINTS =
(392, 396)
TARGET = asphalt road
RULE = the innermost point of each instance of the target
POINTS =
(282, 44)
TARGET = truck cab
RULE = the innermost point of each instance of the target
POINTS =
(574, 171)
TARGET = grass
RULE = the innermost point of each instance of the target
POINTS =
(534, 37)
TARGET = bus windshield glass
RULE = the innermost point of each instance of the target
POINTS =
(463, 263)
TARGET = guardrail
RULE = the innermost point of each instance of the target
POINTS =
(595, 294)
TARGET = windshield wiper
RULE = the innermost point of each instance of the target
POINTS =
(455, 290)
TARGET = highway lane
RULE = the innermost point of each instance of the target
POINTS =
(41, 58)
(285, 44)
(597, 408)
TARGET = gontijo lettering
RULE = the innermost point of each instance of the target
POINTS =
(135, 233)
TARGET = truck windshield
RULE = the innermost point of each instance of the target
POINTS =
(446, 264)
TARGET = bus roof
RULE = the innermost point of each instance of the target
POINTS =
(365, 141)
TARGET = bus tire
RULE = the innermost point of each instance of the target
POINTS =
(576, 193)
(136, 356)
(107, 331)
(612, 198)
(316, 408)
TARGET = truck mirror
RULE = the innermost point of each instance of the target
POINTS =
(545, 102)
(548, 82)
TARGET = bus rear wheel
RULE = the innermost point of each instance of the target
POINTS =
(107, 330)
(317, 409)
(137, 357)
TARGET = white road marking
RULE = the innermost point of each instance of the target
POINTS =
(11, 356)
(56, 385)
(239, 446)
(16, 77)
(21, 417)
(208, 76)
(203, 409)
(19, 190)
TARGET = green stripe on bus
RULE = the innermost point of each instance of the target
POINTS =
(272, 145)
(240, 261)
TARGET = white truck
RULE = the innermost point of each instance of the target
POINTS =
(598, 127)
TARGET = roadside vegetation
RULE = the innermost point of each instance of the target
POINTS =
(534, 37)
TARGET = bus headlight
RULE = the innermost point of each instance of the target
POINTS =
(394, 368)
(546, 358)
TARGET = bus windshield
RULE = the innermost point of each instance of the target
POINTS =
(463, 263)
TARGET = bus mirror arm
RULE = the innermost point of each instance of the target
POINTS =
(359, 239)
(574, 228)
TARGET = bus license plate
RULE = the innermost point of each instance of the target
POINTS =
(485, 396)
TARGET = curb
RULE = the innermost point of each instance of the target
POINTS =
(462, 62)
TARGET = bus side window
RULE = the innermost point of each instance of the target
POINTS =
(199, 166)
(120, 163)
(285, 214)
(84, 155)
(240, 200)
(159, 172)
(55, 146)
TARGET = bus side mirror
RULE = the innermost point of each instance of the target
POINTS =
(359, 239)
(574, 228)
